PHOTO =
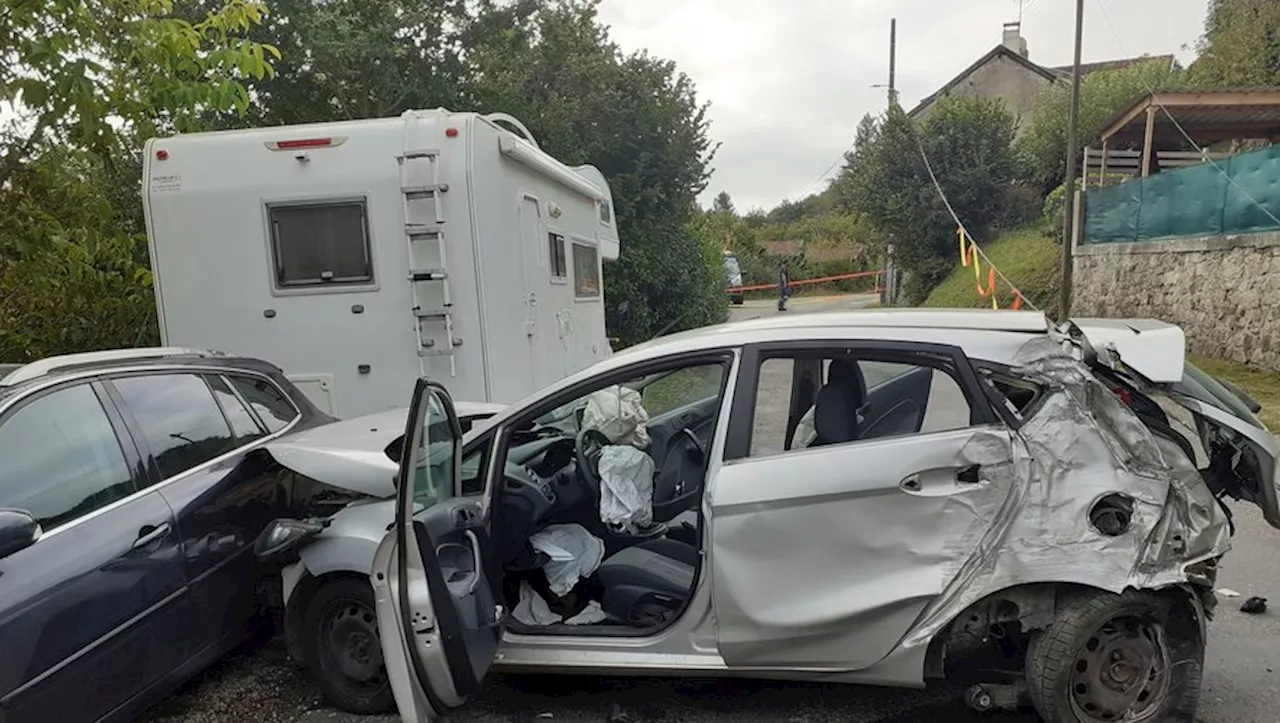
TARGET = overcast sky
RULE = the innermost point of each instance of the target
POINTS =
(789, 79)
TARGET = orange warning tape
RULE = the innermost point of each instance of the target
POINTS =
(969, 256)
(819, 280)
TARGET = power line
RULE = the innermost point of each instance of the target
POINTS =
(843, 156)
(893, 100)
(973, 243)
(1155, 98)
(1023, 9)
(830, 168)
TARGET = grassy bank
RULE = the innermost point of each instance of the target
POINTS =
(1028, 257)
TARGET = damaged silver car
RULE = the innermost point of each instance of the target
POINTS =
(886, 497)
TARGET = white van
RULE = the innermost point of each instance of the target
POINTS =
(360, 255)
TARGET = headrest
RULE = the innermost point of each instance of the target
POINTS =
(833, 414)
(848, 374)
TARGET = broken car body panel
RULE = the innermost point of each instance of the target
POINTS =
(1261, 475)
(1155, 349)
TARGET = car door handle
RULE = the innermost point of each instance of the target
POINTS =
(478, 571)
(150, 534)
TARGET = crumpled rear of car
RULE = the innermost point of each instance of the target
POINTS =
(1085, 493)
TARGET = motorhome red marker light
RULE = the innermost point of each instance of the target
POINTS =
(451, 132)
(298, 144)
(304, 143)
(162, 154)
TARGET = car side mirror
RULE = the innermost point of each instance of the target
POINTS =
(18, 531)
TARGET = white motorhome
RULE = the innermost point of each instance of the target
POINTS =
(360, 255)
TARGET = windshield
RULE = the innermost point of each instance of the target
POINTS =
(1202, 387)
(565, 417)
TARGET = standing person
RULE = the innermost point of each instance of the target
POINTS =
(784, 286)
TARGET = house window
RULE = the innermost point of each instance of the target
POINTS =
(586, 271)
(559, 263)
(321, 244)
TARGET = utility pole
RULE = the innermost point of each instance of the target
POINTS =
(893, 56)
(1069, 205)
(889, 295)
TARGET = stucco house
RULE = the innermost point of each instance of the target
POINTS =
(1008, 74)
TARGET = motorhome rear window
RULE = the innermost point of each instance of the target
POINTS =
(320, 244)
(586, 271)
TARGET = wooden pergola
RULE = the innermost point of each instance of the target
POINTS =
(1159, 120)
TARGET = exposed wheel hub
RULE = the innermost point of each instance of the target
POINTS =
(353, 643)
(1121, 673)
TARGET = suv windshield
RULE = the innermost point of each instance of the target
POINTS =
(1202, 387)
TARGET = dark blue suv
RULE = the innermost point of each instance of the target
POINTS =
(132, 488)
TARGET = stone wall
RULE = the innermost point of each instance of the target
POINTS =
(1224, 291)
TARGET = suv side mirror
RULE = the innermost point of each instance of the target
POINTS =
(18, 531)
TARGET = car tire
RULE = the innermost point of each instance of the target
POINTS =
(1091, 662)
(340, 643)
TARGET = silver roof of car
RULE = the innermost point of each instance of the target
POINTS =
(777, 326)
(48, 365)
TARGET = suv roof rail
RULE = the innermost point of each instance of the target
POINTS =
(40, 368)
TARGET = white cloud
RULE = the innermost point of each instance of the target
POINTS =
(788, 81)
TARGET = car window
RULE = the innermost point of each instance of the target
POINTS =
(273, 408)
(1020, 393)
(62, 458)
(433, 475)
(681, 388)
(900, 398)
(659, 393)
(243, 425)
(179, 419)
(877, 372)
(473, 469)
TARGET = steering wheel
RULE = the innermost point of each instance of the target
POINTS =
(587, 448)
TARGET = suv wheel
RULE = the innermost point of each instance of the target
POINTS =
(340, 642)
(1131, 657)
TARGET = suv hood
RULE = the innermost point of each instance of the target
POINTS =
(353, 454)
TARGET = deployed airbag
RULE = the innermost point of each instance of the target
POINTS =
(626, 473)
(626, 487)
(618, 413)
(574, 554)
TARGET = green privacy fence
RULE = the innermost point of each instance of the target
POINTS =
(1240, 195)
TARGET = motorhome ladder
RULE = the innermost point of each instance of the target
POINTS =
(424, 228)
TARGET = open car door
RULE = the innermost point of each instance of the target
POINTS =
(434, 574)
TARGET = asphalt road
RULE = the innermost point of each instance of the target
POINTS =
(1240, 686)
